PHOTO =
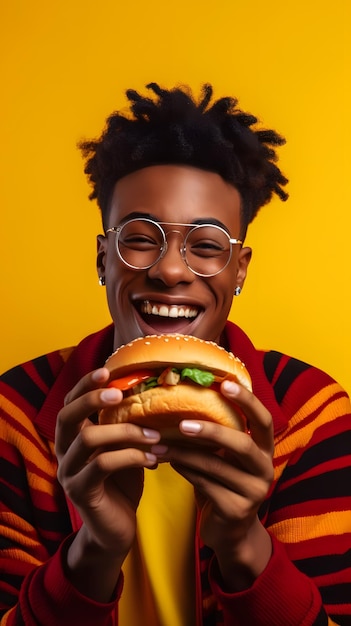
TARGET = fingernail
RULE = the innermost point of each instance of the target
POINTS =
(231, 387)
(150, 434)
(190, 427)
(110, 395)
(99, 375)
(159, 449)
(151, 457)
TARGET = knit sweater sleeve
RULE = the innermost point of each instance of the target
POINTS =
(35, 526)
(47, 597)
(308, 512)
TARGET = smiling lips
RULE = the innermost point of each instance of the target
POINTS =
(164, 310)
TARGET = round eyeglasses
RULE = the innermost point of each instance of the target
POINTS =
(141, 243)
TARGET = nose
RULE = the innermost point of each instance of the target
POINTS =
(171, 268)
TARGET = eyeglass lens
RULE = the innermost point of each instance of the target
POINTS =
(205, 248)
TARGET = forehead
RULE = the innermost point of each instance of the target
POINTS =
(176, 193)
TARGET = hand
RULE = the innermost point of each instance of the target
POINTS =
(100, 467)
(231, 478)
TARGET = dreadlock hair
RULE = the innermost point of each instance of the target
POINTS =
(172, 128)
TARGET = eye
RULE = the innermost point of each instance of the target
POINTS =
(205, 247)
(140, 236)
(139, 241)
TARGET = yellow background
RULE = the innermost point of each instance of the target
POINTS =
(65, 66)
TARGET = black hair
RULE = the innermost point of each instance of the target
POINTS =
(173, 128)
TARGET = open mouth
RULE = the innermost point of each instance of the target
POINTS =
(159, 317)
(164, 310)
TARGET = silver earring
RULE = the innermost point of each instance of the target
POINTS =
(102, 281)
(237, 291)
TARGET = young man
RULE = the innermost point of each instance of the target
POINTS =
(256, 532)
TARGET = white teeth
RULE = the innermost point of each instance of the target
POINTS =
(163, 310)
(173, 312)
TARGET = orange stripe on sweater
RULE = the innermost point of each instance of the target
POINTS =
(301, 430)
(296, 529)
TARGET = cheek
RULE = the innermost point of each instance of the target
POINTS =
(119, 283)
(115, 269)
(222, 298)
(114, 279)
(225, 285)
(223, 291)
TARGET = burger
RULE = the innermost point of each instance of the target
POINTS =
(171, 377)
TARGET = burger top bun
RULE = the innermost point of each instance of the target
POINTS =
(164, 406)
(155, 351)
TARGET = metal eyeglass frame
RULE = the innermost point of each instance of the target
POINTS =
(117, 229)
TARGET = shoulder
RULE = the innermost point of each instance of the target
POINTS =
(283, 371)
(297, 384)
(282, 379)
(26, 385)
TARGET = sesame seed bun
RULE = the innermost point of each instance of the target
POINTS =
(164, 406)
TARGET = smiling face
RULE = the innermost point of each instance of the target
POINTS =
(169, 297)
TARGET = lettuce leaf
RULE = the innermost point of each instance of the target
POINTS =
(198, 376)
(151, 382)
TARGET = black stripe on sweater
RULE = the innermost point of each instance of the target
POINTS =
(44, 521)
(335, 447)
(328, 564)
(290, 372)
(271, 361)
(336, 594)
(13, 501)
(44, 370)
(20, 381)
(9, 599)
(330, 485)
(322, 619)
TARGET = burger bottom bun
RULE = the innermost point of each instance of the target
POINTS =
(163, 408)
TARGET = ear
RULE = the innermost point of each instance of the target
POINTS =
(101, 241)
(244, 259)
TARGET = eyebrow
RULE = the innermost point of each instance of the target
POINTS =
(149, 216)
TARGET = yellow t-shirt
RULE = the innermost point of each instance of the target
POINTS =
(159, 572)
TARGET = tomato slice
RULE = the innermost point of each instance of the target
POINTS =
(126, 382)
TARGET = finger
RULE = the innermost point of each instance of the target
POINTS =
(229, 505)
(70, 418)
(259, 418)
(237, 447)
(92, 476)
(238, 460)
(208, 477)
(93, 440)
(93, 380)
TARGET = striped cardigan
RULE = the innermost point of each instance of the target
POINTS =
(307, 512)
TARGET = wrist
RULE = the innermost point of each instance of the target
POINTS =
(93, 570)
(241, 563)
